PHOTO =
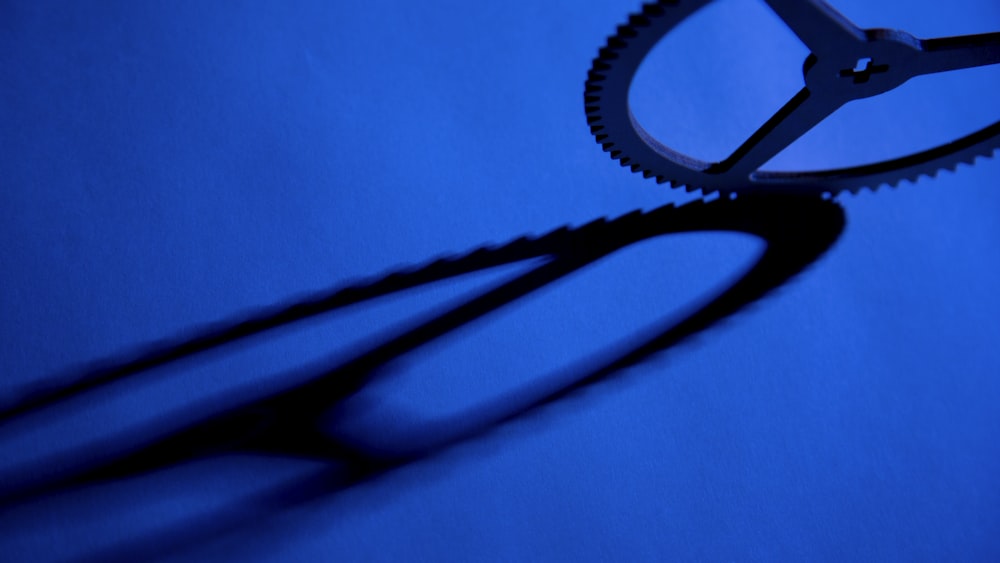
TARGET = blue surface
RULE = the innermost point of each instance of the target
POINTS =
(167, 166)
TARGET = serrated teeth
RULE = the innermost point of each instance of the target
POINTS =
(607, 53)
(654, 10)
(626, 31)
(638, 20)
(606, 130)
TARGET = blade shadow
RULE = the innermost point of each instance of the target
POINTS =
(797, 232)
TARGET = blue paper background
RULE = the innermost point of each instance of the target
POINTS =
(164, 166)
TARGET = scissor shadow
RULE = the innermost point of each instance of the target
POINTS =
(797, 231)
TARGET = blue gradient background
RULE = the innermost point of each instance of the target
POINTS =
(167, 165)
